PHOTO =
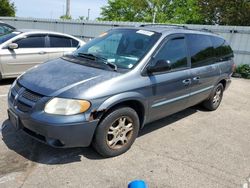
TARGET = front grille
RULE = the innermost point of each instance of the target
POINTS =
(23, 107)
(29, 95)
(26, 99)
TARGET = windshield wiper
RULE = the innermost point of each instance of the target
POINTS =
(96, 57)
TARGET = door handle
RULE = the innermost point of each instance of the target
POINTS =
(186, 82)
(42, 52)
(196, 78)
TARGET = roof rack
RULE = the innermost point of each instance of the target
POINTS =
(207, 30)
(176, 27)
(165, 25)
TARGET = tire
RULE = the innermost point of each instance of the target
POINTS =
(215, 98)
(116, 132)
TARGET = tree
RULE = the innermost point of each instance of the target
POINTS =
(123, 10)
(161, 11)
(225, 12)
(186, 11)
(7, 8)
(65, 17)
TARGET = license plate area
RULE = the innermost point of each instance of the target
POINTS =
(14, 120)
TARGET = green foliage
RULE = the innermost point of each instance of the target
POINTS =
(224, 12)
(243, 70)
(81, 18)
(65, 17)
(177, 11)
(7, 8)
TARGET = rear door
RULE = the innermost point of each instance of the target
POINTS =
(61, 45)
(31, 51)
(204, 70)
(170, 89)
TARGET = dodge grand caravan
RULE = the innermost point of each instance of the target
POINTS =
(108, 89)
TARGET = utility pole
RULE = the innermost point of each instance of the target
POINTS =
(154, 14)
(88, 14)
(68, 8)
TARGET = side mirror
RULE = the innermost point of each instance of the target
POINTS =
(160, 66)
(13, 46)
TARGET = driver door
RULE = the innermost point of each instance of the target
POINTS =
(170, 89)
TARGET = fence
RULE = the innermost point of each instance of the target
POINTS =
(237, 36)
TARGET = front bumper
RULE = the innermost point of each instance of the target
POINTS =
(63, 135)
(54, 130)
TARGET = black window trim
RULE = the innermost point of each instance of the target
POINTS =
(159, 47)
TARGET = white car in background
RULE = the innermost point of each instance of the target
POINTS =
(23, 49)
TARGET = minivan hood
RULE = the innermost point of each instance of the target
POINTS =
(57, 76)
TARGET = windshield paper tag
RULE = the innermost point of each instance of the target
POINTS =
(148, 33)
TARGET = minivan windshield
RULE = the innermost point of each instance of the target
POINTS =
(122, 48)
(4, 38)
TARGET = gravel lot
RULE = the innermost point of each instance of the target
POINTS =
(193, 148)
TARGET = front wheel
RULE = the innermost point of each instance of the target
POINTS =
(215, 99)
(116, 132)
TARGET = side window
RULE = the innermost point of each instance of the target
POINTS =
(2, 30)
(59, 41)
(5, 29)
(223, 51)
(32, 41)
(175, 52)
(74, 43)
(201, 50)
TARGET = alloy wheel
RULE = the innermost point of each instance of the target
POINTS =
(120, 132)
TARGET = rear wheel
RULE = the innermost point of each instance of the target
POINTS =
(116, 132)
(215, 99)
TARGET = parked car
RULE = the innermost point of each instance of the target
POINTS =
(23, 49)
(107, 90)
(5, 28)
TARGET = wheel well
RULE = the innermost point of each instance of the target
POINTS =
(223, 82)
(134, 104)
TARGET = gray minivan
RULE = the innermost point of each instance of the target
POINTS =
(108, 89)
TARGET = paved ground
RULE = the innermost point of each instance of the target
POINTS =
(193, 148)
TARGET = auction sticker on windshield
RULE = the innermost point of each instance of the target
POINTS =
(148, 33)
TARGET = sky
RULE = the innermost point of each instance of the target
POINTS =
(55, 8)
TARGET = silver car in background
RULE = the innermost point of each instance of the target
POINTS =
(22, 49)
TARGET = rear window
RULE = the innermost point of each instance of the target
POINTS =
(223, 51)
(201, 50)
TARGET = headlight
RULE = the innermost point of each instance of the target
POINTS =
(62, 106)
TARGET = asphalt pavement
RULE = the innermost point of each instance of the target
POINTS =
(193, 148)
